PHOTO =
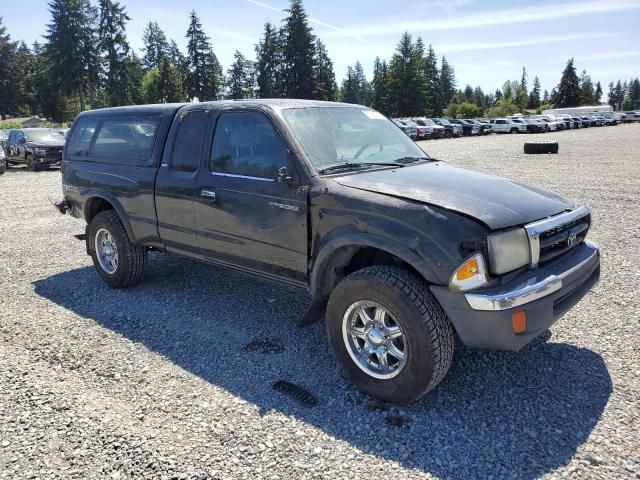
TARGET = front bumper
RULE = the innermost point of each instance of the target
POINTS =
(483, 318)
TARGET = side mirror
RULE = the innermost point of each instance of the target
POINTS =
(283, 175)
(22, 140)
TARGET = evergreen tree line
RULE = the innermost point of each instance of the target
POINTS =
(86, 62)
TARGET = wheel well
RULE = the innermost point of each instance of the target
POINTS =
(352, 258)
(94, 206)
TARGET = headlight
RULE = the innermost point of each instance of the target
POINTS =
(40, 151)
(508, 250)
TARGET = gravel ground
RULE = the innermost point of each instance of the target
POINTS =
(173, 378)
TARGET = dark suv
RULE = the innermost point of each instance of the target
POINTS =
(398, 250)
(38, 148)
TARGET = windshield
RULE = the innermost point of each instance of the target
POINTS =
(42, 136)
(428, 121)
(332, 136)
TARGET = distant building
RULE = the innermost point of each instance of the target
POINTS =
(579, 110)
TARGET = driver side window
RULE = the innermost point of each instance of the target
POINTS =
(247, 144)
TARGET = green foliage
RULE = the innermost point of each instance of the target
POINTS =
(447, 82)
(72, 48)
(268, 63)
(433, 90)
(468, 110)
(380, 86)
(503, 108)
(204, 77)
(240, 78)
(298, 54)
(150, 86)
(406, 84)
(323, 75)
(534, 96)
(113, 45)
(452, 110)
(155, 45)
(587, 92)
(9, 125)
(568, 90)
(543, 107)
(616, 95)
(627, 103)
(355, 88)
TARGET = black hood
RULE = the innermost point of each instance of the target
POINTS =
(47, 144)
(497, 202)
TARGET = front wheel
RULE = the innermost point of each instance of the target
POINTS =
(32, 166)
(389, 333)
(118, 261)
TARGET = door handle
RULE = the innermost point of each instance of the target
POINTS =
(208, 194)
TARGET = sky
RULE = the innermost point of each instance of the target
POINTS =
(486, 41)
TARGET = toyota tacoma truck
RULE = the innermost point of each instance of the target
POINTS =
(399, 251)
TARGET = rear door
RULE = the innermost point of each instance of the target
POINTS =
(246, 218)
(176, 183)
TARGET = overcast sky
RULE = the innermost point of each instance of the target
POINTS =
(486, 41)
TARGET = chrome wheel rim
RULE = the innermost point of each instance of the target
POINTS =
(106, 251)
(374, 339)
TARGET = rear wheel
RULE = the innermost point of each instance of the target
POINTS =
(389, 333)
(118, 261)
(447, 134)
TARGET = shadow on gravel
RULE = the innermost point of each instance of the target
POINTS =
(496, 413)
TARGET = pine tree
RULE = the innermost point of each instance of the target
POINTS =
(534, 96)
(634, 92)
(25, 85)
(204, 76)
(468, 93)
(447, 82)
(114, 47)
(268, 63)
(587, 93)
(355, 88)
(379, 86)
(71, 48)
(179, 60)
(324, 77)
(170, 88)
(240, 78)
(155, 45)
(135, 74)
(432, 91)
(568, 90)
(598, 94)
(406, 79)
(7, 73)
(298, 54)
(478, 97)
(523, 81)
(545, 97)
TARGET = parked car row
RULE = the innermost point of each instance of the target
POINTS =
(421, 128)
(37, 148)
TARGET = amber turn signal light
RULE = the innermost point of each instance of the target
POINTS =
(519, 321)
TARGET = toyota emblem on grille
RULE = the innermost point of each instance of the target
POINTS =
(572, 240)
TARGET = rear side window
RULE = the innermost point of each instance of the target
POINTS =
(188, 144)
(127, 138)
(246, 144)
(80, 139)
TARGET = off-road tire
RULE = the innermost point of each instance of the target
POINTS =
(533, 148)
(131, 258)
(32, 166)
(428, 332)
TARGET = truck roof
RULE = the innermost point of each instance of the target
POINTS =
(171, 108)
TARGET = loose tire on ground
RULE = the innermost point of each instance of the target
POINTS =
(131, 259)
(541, 147)
(428, 339)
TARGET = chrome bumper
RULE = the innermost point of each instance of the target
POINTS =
(528, 292)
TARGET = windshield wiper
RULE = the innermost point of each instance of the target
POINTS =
(408, 160)
(357, 165)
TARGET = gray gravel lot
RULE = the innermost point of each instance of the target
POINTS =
(156, 381)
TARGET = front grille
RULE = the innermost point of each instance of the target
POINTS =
(554, 242)
(554, 236)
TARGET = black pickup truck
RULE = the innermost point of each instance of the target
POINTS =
(397, 249)
(37, 148)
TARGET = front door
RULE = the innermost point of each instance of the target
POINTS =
(246, 216)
